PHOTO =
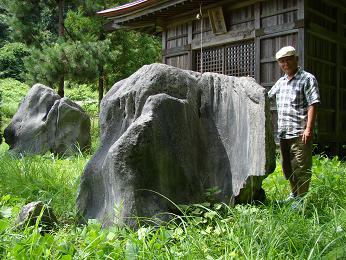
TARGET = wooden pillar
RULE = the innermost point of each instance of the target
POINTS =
(61, 82)
(189, 41)
(257, 9)
(164, 45)
(301, 32)
(338, 81)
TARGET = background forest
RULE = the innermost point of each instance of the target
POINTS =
(62, 44)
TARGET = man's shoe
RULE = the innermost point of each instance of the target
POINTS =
(292, 197)
(297, 205)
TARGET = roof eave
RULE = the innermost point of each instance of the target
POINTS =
(128, 9)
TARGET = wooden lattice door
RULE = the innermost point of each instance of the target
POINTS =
(235, 60)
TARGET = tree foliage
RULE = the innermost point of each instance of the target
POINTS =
(76, 61)
(135, 51)
(11, 60)
(131, 49)
(32, 22)
(4, 37)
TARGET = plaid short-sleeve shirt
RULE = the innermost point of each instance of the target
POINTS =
(293, 97)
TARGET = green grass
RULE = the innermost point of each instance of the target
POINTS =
(267, 231)
(204, 231)
(13, 92)
(84, 95)
(45, 178)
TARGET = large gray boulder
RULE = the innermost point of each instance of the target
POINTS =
(169, 135)
(46, 122)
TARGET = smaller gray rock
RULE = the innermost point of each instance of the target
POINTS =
(31, 212)
(45, 122)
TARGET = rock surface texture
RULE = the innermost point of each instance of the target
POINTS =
(170, 135)
(46, 122)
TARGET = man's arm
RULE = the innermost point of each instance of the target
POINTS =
(273, 91)
(307, 134)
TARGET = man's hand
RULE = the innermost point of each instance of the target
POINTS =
(307, 134)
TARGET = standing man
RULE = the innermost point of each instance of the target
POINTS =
(297, 97)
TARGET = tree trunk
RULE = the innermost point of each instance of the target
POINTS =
(100, 86)
(101, 74)
(61, 91)
(61, 4)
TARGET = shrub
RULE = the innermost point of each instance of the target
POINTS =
(11, 60)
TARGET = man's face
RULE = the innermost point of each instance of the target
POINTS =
(288, 64)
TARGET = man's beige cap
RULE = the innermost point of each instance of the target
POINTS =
(286, 51)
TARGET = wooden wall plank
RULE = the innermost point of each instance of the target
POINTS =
(325, 44)
(212, 40)
(179, 61)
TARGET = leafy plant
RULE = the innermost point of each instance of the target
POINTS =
(0, 116)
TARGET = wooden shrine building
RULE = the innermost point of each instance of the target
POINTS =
(240, 38)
